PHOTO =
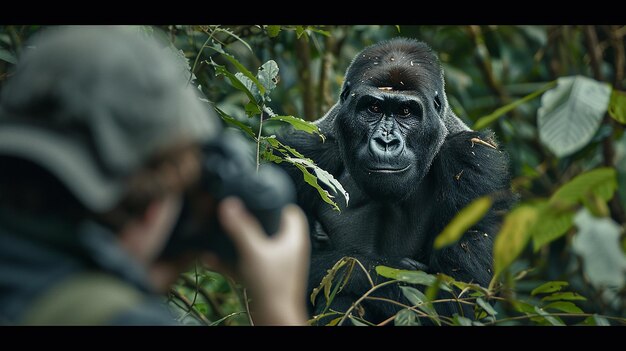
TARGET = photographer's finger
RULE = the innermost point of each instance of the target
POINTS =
(294, 228)
(239, 224)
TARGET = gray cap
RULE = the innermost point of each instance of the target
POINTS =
(93, 104)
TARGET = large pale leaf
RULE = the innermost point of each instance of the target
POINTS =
(268, 75)
(564, 306)
(322, 175)
(513, 236)
(597, 243)
(463, 221)
(571, 113)
(617, 106)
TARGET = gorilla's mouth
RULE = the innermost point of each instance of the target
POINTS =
(388, 170)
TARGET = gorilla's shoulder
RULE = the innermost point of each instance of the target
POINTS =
(473, 158)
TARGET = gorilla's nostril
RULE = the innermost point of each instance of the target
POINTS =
(387, 144)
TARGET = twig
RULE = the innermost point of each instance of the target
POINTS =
(189, 305)
(247, 305)
(217, 310)
(621, 320)
(357, 302)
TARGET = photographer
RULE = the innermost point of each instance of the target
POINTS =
(100, 141)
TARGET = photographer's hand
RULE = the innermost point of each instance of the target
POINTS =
(274, 269)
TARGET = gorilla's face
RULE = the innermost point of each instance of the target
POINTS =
(389, 124)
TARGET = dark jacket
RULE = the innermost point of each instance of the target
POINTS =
(38, 253)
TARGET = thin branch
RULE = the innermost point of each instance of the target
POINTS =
(357, 302)
(215, 307)
(189, 305)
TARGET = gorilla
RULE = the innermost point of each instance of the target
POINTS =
(409, 164)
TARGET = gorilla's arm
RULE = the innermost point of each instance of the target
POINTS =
(465, 169)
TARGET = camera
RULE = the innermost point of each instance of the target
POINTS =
(227, 169)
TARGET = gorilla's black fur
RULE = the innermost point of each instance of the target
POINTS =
(410, 164)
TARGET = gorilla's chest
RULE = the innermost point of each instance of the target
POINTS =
(369, 226)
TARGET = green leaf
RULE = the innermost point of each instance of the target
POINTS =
(299, 124)
(406, 317)
(250, 86)
(523, 307)
(463, 221)
(300, 31)
(617, 106)
(419, 300)
(234, 122)
(567, 296)
(487, 120)
(272, 31)
(486, 306)
(5, 55)
(570, 114)
(327, 282)
(564, 306)
(412, 277)
(312, 181)
(334, 322)
(601, 182)
(551, 224)
(596, 320)
(252, 109)
(549, 287)
(398, 28)
(462, 321)
(550, 319)
(241, 68)
(234, 81)
(323, 176)
(268, 75)
(513, 237)
(597, 243)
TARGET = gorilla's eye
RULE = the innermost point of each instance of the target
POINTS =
(374, 108)
(404, 111)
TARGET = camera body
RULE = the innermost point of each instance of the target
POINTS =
(228, 170)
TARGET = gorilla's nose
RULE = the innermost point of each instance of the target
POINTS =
(388, 145)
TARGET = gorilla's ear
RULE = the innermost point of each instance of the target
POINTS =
(345, 92)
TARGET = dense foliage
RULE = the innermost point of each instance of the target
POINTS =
(555, 97)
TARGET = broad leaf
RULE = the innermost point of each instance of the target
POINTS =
(563, 306)
(252, 109)
(513, 237)
(234, 81)
(323, 176)
(566, 296)
(406, 317)
(617, 106)
(551, 224)
(597, 243)
(549, 287)
(601, 182)
(357, 322)
(571, 113)
(412, 277)
(268, 75)
(463, 221)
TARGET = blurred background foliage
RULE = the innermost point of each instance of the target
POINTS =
(486, 67)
